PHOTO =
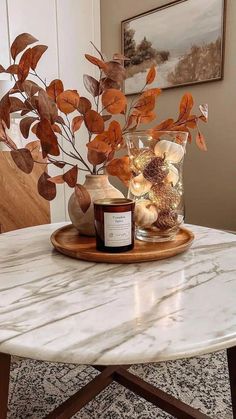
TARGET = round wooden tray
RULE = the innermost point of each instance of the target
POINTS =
(68, 241)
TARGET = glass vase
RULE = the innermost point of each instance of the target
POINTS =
(156, 186)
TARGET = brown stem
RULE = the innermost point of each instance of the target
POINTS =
(132, 105)
(99, 52)
(73, 145)
(97, 104)
(36, 75)
(25, 97)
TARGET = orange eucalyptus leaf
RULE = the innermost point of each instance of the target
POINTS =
(25, 125)
(147, 117)
(152, 92)
(96, 157)
(46, 107)
(56, 128)
(91, 85)
(151, 75)
(106, 117)
(47, 138)
(200, 141)
(34, 129)
(164, 125)
(23, 159)
(24, 65)
(121, 168)
(60, 120)
(189, 136)
(12, 69)
(70, 177)
(45, 188)
(57, 163)
(145, 104)
(114, 134)
(84, 105)
(114, 101)
(17, 104)
(94, 122)
(68, 101)
(101, 144)
(76, 123)
(106, 83)
(30, 87)
(55, 88)
(94, 60)
(5, 107)
(115, 71)
(20, 43)
(192, 121)
(185, 106)
(37, 53)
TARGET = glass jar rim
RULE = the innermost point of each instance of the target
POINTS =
(149, 132)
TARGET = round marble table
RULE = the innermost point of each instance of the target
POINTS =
(60, 309)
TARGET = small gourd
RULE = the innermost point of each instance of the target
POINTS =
(139, 185)
(173, 175)
(145, 213)
(173, 152)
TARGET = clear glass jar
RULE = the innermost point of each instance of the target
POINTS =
(156, 159)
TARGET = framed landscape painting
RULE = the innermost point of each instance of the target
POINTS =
(184, 40)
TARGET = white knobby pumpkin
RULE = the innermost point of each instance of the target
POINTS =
(139, 185)
(173, 175)
(173, 152)
(145, 213)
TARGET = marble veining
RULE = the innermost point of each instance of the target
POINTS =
(56, 308)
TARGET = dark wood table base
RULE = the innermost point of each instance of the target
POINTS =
(121, 375)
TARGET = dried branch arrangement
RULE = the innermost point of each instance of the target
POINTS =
(53, 113)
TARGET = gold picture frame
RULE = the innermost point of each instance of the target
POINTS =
(184, 54)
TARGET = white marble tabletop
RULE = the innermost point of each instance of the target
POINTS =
(56, 308)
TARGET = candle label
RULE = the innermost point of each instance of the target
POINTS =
(117, 229)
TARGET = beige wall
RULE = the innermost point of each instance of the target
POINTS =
(210, 178)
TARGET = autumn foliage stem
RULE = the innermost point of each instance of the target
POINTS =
(24, 97)
(70, 139)
(36, 75)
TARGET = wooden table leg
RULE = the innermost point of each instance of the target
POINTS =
(76, 402)
(5, 363)
(231, 355)
(154, 395)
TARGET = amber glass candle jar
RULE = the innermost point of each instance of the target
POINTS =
(114, 224)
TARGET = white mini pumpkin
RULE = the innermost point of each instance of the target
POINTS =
(145, 213)
(139, 185)
(173, 152)
(173, 175)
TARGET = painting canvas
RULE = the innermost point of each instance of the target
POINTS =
(183, 40)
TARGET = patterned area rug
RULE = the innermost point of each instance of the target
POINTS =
(37, 387)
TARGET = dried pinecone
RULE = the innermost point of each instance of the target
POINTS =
(166, 219)
(165, 197)
(156, 170)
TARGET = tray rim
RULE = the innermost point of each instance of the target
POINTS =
(104, 257)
